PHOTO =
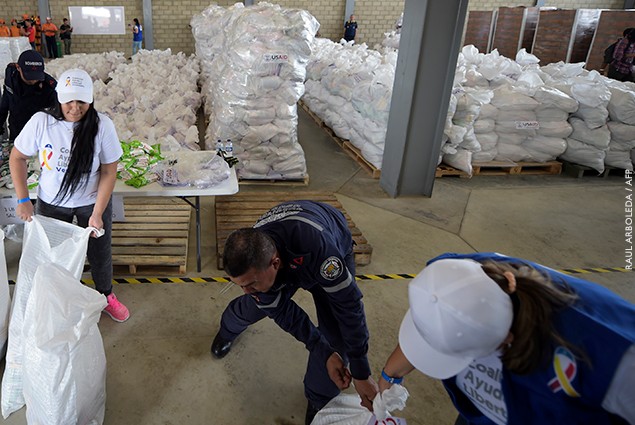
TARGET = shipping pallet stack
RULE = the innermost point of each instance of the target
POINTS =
(244, 209)
(153, 238)
(578, 171)
(494, 168)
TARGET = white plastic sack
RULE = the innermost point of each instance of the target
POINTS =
(46, 240)
(5, 298)
(583, 154)
(65, 361)
(461, 160)
(598, 137)
(622, 132)
(346, 409)
(619, 159)
(622, 105)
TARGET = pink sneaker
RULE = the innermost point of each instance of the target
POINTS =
(117, 311)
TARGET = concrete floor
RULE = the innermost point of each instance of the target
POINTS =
(159, 366)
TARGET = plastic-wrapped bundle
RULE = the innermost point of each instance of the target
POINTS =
(584, 154)
(257, 67)
(5, 54)
(622, 105)
(97, 65)
(155, 99)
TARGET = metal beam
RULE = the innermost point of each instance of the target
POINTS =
(148, 32)
(349, 10)
(428, 50)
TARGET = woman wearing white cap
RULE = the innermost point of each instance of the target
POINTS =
(518, 343)
(79, 150)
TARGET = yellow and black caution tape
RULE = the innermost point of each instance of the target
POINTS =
(360, 277)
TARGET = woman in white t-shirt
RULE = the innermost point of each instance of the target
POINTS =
(78, 150)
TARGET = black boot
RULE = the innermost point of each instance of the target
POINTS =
(311, 411)
(221, 346)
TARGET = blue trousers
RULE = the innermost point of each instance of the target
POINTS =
(99, 249)
(136, 46)
(318, 387)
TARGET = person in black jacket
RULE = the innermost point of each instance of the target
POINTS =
(27, 90)
(302, 244)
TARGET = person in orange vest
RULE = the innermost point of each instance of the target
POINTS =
(50, 30)
(14, 30)
(4, 30)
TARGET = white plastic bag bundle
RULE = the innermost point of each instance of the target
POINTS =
(5, 299)
(65, 362)
(598, 137)
(584, 154)
(346, 409)
(46, 240)
(622, 105)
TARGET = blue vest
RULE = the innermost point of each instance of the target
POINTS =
(567, 390)
(138, 36)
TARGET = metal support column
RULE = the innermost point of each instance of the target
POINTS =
(349, 10)
(43, 10)
(430, 42)
(148, 33)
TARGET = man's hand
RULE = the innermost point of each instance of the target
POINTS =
(338, 372)
(367, 390)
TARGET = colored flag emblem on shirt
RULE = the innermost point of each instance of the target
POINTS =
(566, 368)
(47, 154)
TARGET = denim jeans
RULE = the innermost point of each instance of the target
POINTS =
(99, 249)
(136, 46)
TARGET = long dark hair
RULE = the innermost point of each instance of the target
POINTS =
(136, 21)
(80, 162)
(535, 300)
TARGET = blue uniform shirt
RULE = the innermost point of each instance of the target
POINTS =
(313, 241)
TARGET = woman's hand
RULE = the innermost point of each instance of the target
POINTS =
(24, 211)
(96, 222)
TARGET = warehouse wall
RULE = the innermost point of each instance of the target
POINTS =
(171, 18)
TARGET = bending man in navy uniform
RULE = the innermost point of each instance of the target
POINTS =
(302, 244)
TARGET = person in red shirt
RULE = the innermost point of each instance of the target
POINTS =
(29, 31)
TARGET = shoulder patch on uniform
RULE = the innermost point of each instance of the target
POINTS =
(331, 268)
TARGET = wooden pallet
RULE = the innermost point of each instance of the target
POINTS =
(496, 168)
(503, 168)
(244, 209)
(578, 171)
(355, 153)
(261, 182)
(445, 170)
(154, 235)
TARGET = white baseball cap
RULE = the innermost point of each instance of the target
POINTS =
(457, 314)
(74, 84)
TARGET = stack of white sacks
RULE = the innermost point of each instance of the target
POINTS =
(500, 109)
(154, 99)
(350, 88)
(509, 111)
(254, 66)
(97, 65)
(621, 125)
(10, 50)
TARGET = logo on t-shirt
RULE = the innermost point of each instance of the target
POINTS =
(566, 368)
(47, 154)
